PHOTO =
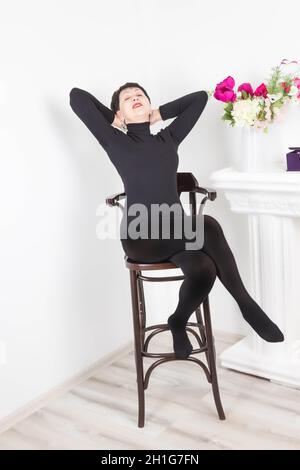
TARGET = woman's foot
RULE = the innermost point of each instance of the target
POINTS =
(181, 343)
(260, 322)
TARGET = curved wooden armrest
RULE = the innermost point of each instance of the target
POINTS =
(209, 192)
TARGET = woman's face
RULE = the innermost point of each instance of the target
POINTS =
(134, 106)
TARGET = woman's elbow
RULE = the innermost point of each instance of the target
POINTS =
(73, 93)
(202, 98)
(75, 97)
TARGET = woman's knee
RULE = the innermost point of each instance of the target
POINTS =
(202, 270)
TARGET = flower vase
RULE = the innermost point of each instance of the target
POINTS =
(247, 158)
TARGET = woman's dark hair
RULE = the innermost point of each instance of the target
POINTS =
(115, 102)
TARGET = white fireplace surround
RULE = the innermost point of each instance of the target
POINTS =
(271, 201)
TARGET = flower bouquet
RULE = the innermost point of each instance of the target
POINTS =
(275, 101)
(262, 106)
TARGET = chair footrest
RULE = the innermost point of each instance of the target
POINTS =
(165, 326)
(157, 355)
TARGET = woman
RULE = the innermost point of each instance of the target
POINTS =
(141, 159)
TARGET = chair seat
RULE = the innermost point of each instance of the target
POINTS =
(137, 266)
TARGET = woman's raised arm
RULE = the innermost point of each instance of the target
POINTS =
(95, 115)
(188, 109)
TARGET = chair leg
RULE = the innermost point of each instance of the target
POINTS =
(202, 331)
(137, 347)
(142, 309)
(212, 359)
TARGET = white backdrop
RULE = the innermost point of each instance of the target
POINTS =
(63, 291)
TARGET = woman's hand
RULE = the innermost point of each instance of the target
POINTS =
(117, 122)
(155, 116)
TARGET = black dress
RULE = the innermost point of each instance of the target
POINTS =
(147, 164)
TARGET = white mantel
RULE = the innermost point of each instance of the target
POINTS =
(271, 201)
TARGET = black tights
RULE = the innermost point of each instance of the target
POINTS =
(200, 268)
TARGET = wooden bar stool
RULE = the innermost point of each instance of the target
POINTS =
(201, 329)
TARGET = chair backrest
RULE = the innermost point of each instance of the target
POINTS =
(186, 182)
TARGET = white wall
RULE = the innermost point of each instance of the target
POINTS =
(63, 291)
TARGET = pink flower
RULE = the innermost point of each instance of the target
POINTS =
(261, 90)
(224, 90)
(297, 83)
(246, 87)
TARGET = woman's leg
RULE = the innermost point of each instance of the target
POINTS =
(200, 274)
(216, 246)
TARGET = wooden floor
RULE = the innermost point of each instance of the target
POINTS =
(101, 413)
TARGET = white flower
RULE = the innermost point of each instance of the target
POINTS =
(244, 112)
(275, 97)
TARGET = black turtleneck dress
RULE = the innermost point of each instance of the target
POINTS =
(147, 164)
